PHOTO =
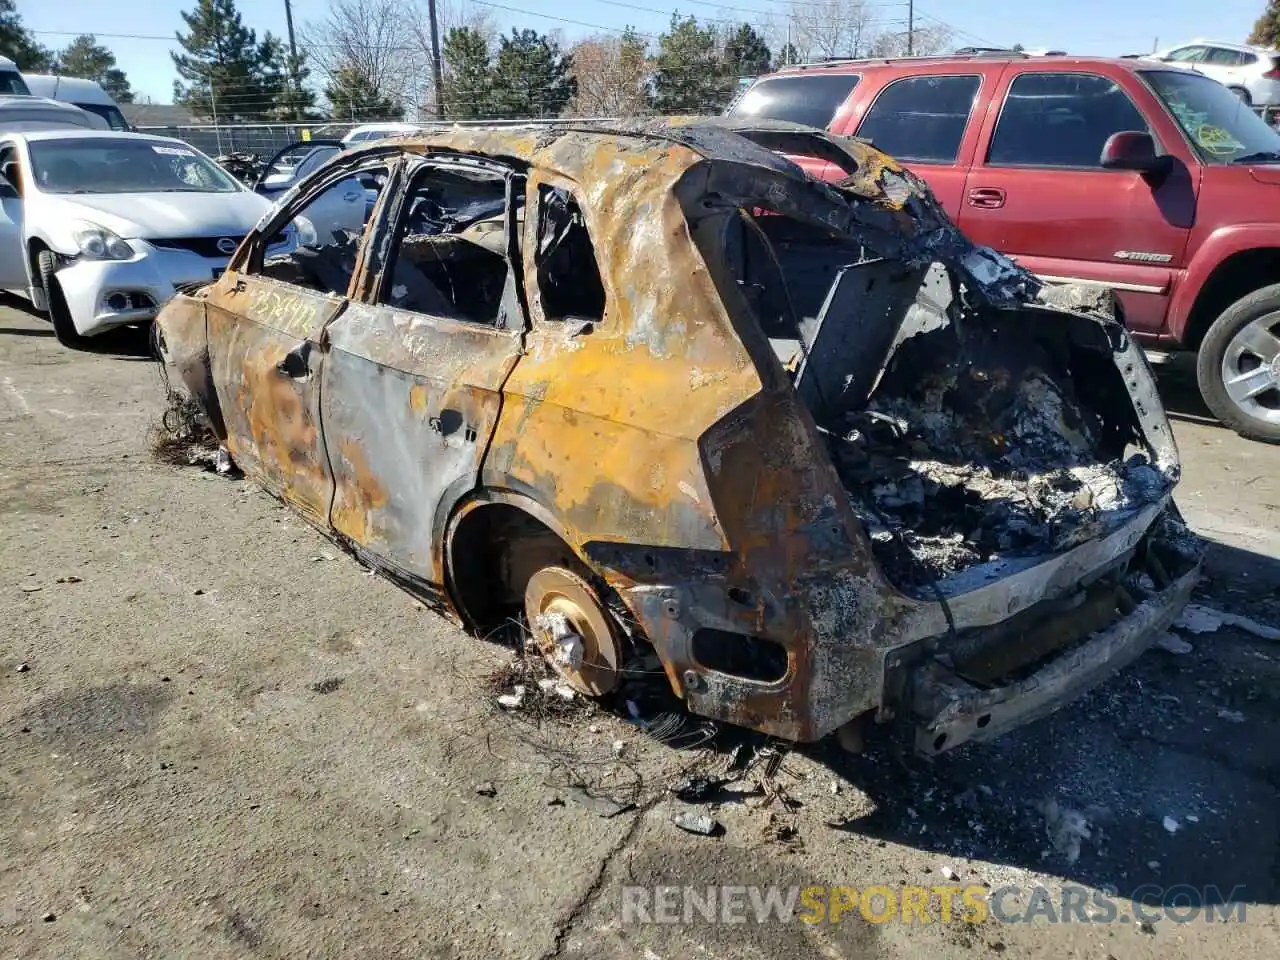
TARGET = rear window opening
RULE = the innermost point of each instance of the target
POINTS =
(808, 98)
(972, 442)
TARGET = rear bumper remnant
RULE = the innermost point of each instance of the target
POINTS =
(950, 711)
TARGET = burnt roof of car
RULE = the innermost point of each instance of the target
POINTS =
(714, 138)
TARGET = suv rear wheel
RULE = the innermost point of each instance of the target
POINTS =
(1238, 367)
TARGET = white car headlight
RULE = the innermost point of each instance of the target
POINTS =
(99, 243)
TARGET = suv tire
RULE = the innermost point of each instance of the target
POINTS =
(63, 328)
(1238, 366)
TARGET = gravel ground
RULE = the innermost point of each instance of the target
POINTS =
(220, 737)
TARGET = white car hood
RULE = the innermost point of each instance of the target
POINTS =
(163, 215)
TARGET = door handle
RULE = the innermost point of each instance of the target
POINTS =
(296, 364)
(988, 197)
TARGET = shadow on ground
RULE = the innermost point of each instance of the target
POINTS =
(124, 343)
(1160, 784)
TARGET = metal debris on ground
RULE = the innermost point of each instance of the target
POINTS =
(183, 436)
(1066, 828)
(698, 789)
(487, 789)
(1196, 618)
(602, 806)
(782, 831)
(513, 700)
(1172, 643)
(698, 823)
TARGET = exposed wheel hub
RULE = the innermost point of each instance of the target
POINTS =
(572, 630)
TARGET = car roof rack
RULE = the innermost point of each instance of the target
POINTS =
(939, 58)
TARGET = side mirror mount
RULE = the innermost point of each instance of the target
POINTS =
(1133, 150)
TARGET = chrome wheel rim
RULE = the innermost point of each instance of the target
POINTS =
(1251, 368)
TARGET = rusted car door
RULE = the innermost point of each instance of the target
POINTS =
(265, 326)
(412, 382)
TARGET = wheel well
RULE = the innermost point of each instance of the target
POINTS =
(492, 553)
(1238, 275)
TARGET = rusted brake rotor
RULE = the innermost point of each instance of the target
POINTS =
(572, 630)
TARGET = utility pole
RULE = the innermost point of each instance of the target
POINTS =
(293, 57)
(437, 74)
(911, 27)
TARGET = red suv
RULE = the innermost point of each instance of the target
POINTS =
(1152, 180)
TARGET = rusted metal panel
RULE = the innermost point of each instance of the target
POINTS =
(409, 404)
(271, 406)
(604, 422)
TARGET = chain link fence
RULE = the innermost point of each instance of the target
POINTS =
(266, 139)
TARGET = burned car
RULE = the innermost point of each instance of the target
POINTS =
(657, 393)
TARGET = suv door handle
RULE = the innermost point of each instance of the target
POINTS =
(989, 197)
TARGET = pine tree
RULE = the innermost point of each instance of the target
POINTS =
(283, 81)
(353, 97)
(1266, 31)
(786, 56)
(85, 57)
(228, 74)
(691, 76)
(468, 75)
(18, 43)
(746, 54)
(532, 77)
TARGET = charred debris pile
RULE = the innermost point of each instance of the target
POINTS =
(992, 439)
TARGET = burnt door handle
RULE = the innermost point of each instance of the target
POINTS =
(988, 197)
(296, 364)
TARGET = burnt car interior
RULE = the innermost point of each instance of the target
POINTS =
(568, 275)
(449, 255)
(325, 259)
(957, 428)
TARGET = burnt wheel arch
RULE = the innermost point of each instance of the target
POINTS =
(493, 543)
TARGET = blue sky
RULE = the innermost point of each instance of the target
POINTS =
(1101, 27)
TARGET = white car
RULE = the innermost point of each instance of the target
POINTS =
(85, 94)
(99, 228)
(1252, 73)
(22, 113)
(379, 131)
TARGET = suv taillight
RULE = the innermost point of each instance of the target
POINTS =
(1274, 72)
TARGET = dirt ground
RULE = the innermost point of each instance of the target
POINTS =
(220, 738)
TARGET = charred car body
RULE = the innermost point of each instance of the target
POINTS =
(654, 386)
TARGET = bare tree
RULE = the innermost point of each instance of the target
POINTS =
(364, 39)
(611, 72)
(925, 40)
(830, 28)
(416, 32)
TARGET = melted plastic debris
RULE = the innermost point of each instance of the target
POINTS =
(979, 451)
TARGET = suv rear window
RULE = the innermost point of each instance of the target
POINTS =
(810, 98)
(921, 118)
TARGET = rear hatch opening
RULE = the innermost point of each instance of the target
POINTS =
(1008, 458)
(973, 441)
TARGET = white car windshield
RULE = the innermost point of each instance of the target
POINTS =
(104, 165)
